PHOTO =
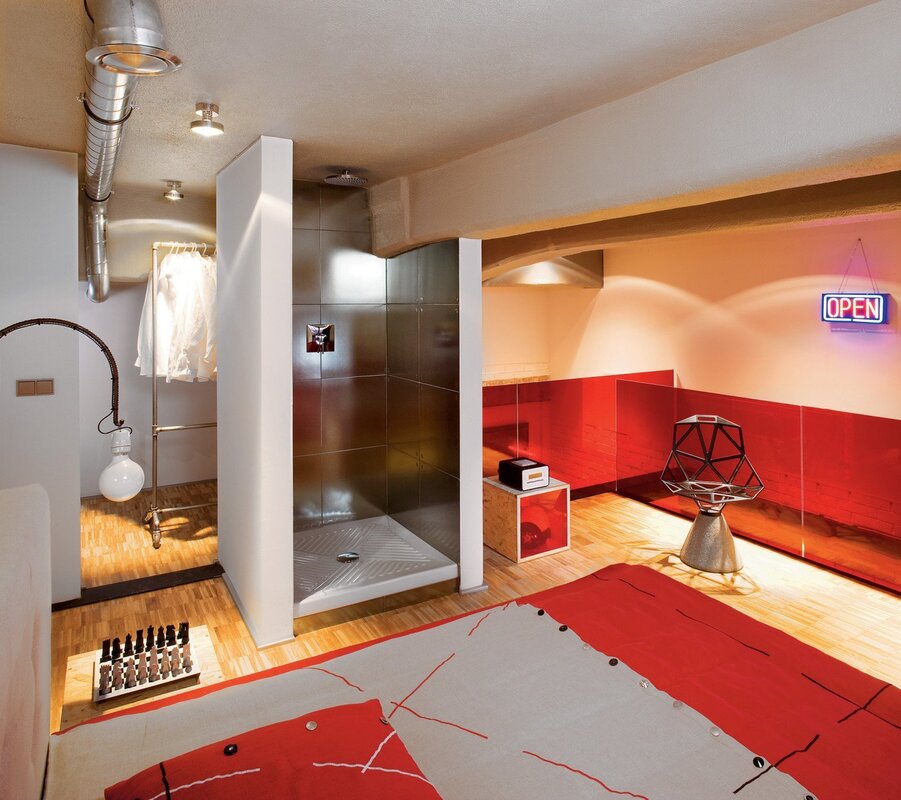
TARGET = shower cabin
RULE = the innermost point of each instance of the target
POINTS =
(349, 436)
(376, 408)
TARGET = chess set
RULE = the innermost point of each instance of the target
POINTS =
(158, 657)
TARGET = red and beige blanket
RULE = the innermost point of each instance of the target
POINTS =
(622, 684)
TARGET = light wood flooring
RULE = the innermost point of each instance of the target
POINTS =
(115, 545)
(852, 621)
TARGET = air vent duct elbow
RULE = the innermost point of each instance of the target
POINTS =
(128, 42)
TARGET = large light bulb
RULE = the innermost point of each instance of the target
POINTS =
(122, 479)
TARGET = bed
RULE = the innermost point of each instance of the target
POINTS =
(624, 683)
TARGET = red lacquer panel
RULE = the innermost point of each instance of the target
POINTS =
(543, 522)
(644, 433)
(499, 426)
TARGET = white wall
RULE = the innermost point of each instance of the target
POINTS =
(820, 104)
(254, 226)
(519, 345)
(737, 313)
(139, 216)
(471, 539)
(184, 456)
(38, 276)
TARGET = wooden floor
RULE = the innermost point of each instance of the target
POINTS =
(852, 621)
(115, 545)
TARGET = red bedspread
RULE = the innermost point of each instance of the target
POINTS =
(835, 729)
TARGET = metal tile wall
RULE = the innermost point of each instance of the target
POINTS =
(423, 402)
(340, 397)
(376, 422)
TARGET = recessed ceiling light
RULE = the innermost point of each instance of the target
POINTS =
(174, 194)
(207, 125)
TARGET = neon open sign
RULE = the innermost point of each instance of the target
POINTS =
(867, 308)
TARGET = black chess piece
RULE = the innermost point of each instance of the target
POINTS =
(170, 635)
(105, 655)
(117, 649)
(129, 647)
(149, 638)
(160, 637)
(139, 642)
(183, 632)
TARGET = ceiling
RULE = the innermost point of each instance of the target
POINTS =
(385, 87)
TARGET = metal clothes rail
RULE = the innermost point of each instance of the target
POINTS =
(152, 517)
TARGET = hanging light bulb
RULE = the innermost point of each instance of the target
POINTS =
(123, 478)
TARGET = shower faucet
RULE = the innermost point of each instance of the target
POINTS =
(320, 338)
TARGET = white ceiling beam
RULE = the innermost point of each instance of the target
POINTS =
(818, 105)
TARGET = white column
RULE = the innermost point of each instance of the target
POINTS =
(471, 565)
(253, 231)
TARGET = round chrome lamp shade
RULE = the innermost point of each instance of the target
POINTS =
(207, 124)
(133, 59)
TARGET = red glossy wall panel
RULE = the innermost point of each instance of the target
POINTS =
(544, 523)
(644, 431)
(772, 433)
(832, 479)
(569, 425)
(852, 469)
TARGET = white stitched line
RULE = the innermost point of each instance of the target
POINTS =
(377, 769)
(378, 750)
(205, 780)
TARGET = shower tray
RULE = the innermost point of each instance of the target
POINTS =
(391, 559)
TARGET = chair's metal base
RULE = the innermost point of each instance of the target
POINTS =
(709, 546)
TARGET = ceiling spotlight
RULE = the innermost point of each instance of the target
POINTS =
(207, 125)
(174, 192)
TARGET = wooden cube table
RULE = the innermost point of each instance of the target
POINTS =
(525, 525)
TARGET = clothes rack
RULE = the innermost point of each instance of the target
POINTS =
(154, 513)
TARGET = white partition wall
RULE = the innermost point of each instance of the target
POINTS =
(39, 278)
(471, 564)
(253, 230)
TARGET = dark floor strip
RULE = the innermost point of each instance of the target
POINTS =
(113, 591)
(777, 764)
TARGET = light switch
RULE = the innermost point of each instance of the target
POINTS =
(34, 387)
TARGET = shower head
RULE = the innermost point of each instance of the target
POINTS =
(346, 178)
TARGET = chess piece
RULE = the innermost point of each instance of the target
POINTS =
(117, 674)
(170, 635)
(130, 677)
(104, 679)
(186, 661)
(183, 634)
(117, 649)
(142, 667)
(129, 647)
(105, 655)
(164, 662)
(149, 640)
(139, 641)
(154, 665)
(160, 638)
(174, 661)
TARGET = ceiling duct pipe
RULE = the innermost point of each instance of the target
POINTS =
(128, 42)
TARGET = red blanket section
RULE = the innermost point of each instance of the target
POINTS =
(334, 754)
(833, 728)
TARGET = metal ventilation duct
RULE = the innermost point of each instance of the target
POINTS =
(128, 42)
(578, 269)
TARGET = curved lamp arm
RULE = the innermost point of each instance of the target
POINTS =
(64, 323)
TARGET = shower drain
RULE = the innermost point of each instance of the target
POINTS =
(348, 556)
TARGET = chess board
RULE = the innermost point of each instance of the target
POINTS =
(78, 694)
(169, 660)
